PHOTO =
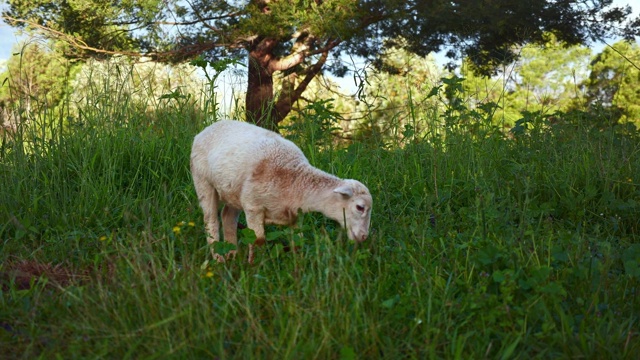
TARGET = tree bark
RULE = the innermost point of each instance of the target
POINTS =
(290, 93)
(259, 98)
(262, 108)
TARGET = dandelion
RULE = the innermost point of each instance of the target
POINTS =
(209, 274)
(102, 238)
(192, 224)
(629, 180)
(176, 230)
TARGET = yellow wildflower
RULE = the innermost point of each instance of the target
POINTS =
(209, 274)
(192, 224)
(176, 230)
(103, 238)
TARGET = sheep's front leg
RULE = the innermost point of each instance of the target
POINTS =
(255, 222)
(230, 227)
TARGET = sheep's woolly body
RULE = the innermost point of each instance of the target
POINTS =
(258, 171)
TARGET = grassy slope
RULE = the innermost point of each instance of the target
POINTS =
(482, 246)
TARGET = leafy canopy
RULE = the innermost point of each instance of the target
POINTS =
(614, 82)
(297, 37)
(176, 30)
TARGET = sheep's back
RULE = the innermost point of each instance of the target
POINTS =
(228, 153)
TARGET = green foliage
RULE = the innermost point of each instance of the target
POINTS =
(391, 99)
(36, 79)
(141, 83)
(631, 259)
(101, 25)
(486, 32)
(546, 78)
(326, 19)
(613, 82)
(315, 125)
(549, 75)
(223, 248)
(483, 244)
(106, 149)
(297, 38)
(212, 71)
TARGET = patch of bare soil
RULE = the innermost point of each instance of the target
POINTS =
(25, 274)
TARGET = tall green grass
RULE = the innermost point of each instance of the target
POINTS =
(483, 245)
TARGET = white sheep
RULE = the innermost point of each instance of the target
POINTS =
(258, 171)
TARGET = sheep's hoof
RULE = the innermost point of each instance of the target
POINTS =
(222, 259)
(231, 254)
(219, 258)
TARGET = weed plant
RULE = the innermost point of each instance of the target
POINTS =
(484, 244)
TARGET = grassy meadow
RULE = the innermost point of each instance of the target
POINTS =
(484, 244)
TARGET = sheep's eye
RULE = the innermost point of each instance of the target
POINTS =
(360, 208)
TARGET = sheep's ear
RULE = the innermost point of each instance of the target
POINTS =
(345, 190)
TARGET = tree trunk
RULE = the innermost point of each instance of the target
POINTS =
(262, 108)
(259, 98)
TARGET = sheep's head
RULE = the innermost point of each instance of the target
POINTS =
(356, 202)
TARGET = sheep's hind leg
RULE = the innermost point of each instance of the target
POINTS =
(208, 199)
(255, 222)
(229, 227)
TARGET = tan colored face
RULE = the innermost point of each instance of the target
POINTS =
(359, 218)
(357, 209)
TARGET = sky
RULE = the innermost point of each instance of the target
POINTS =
(7, 40)
(8, 36)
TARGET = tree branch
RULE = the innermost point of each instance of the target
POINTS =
(288, 98)
(199, 20)
(202, 20)
(183, 52)
(330, 44)
(76, 43)
(310, 74)
(287, 62)
(623, 56)
(298, 57)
